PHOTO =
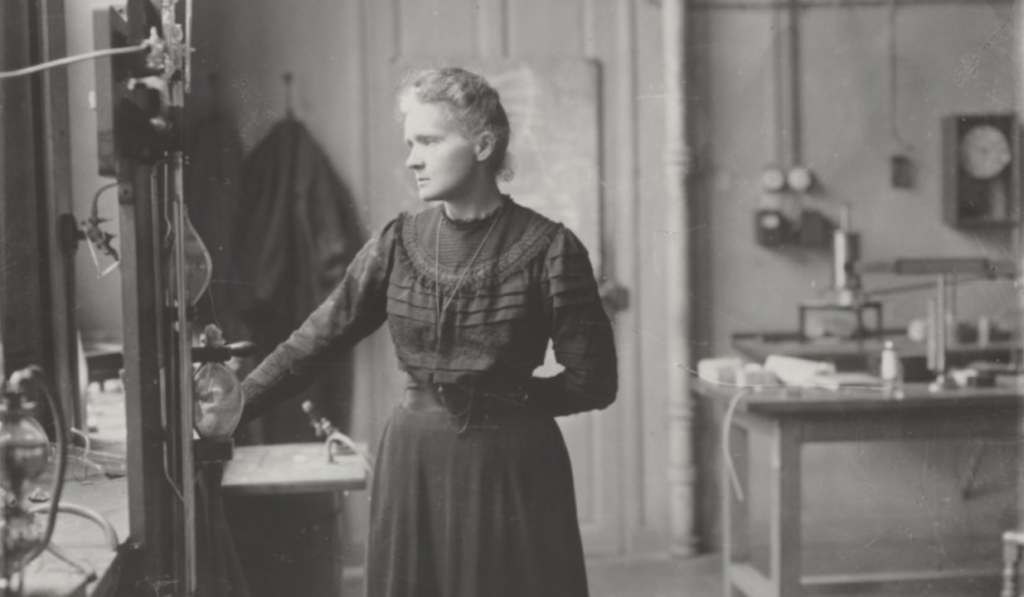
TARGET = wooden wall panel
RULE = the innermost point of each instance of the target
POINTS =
(441, 29)
(545, 28)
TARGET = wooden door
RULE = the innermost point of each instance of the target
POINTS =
(554, 103)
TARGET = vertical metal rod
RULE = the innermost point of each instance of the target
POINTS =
(941, 325)
(185, 370)
(933, 361)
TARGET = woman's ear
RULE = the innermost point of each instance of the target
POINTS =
(484, 147)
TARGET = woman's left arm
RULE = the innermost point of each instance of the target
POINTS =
(581, 334)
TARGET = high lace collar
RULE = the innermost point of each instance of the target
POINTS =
(471, 223)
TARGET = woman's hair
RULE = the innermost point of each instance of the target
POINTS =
(472, 104)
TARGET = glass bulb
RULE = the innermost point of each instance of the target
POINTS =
(24, 454)
(217, 405)
(24, 447)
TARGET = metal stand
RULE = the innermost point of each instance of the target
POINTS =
(938, 338)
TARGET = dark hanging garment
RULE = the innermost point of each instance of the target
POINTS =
(295, 236)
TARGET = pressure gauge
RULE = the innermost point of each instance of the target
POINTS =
(773, 179)
(800, 179)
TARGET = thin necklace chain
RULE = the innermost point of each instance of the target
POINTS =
(437, 273)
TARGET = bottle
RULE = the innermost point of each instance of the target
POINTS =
(890, 369)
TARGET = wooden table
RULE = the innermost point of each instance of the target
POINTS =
(858, 355)
(793, 418)
(279, 469)
(283, 504)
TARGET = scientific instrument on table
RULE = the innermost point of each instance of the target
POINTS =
(337, 443)
(940, 315)
(845, 312)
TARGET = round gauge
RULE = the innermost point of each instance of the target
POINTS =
(800, 179)
(984, 151)
(770, 220)
(773, 179)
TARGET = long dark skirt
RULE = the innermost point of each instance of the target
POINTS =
(473, 507)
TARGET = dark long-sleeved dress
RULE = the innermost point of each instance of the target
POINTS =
(473, 492)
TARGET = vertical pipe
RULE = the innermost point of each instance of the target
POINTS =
(620, 261)
(793, 108)
(492, 38)
(1018, 245)
(786, 83)
(677, 161)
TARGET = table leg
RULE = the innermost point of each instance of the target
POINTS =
(1011, 557)
(785, 510)
(735, 511)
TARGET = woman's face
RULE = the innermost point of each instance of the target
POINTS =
(441, 157)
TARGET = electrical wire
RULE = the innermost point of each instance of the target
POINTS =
(109, 533)
(95, 213)
(730, 467)
(170, 481)
(73, 59)
(84, 457)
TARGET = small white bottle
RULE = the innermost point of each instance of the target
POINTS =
(890, 369)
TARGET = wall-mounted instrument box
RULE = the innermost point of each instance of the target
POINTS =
(981, 170)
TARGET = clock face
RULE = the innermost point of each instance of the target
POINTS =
(984, 151)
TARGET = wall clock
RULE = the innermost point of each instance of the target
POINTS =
(981, 170)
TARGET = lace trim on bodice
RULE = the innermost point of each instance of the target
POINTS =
(539, 232)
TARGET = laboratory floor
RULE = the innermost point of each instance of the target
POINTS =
(701, 576)
(641, 576)
(655, 576)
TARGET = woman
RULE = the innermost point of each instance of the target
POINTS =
(473, 493)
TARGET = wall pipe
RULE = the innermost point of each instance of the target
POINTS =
(677, 162)
(1017, 244)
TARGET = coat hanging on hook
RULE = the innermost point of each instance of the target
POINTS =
(289, 97)
(298, 229)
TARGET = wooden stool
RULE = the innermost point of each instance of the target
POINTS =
(1013, 548)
